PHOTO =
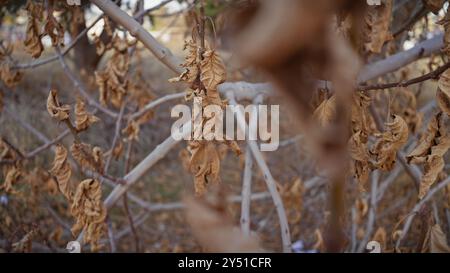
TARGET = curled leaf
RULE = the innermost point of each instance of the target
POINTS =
(87, 207)
(438, 240)
(12, 175)
(385, 150)
(55, 109)
(432, 147)
(83, 119)
(204, 165)
(55, 30)
(443, 92)
(88, 157)
(132, 130)
(378, 20)
(62, 171)
(10, 77)
(111, 81)
(33, 44)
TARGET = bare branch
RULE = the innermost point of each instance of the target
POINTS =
(268, 178)
(372, 211)
(116, 136)
(431, 75)
(246, 193)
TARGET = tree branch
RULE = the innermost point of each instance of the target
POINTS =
(268, 178)
(429, 76)
(246, 193)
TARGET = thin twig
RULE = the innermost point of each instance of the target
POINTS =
(125, 198)
(429, 76)
(116, 136)
(111, 237)
(372, 211)
(246, 193)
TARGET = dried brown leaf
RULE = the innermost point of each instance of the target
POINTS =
(87, 207)
(10, 77)
(385, 150)
(33, 44)
(378, 21)
(443, 92)
(438, 240)
(55, 109)
(213, 70)
(88, 157)
(83, 119)
(55, 30)
(204, 165)
(12, 175)
(62, 171)
(326, 111)
(132, 130)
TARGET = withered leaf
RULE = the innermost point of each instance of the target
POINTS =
(430, 151)
(385, 150)
(111, 80)
(213, 70)
(62, 171)
(33, 44)
(12, 174)
(204, 165)
(378, 21)
(83, 119)
(438, 240)
(88, 209)
(88, 157)
(55, 30)
(10, 77)
(132, 130)
(326, 111)
(55, 109)
(443, 92)
(359, 153)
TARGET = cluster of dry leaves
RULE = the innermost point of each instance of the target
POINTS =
(85, 200)
(204, 71)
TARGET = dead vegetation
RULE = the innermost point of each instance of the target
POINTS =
(364, 125)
